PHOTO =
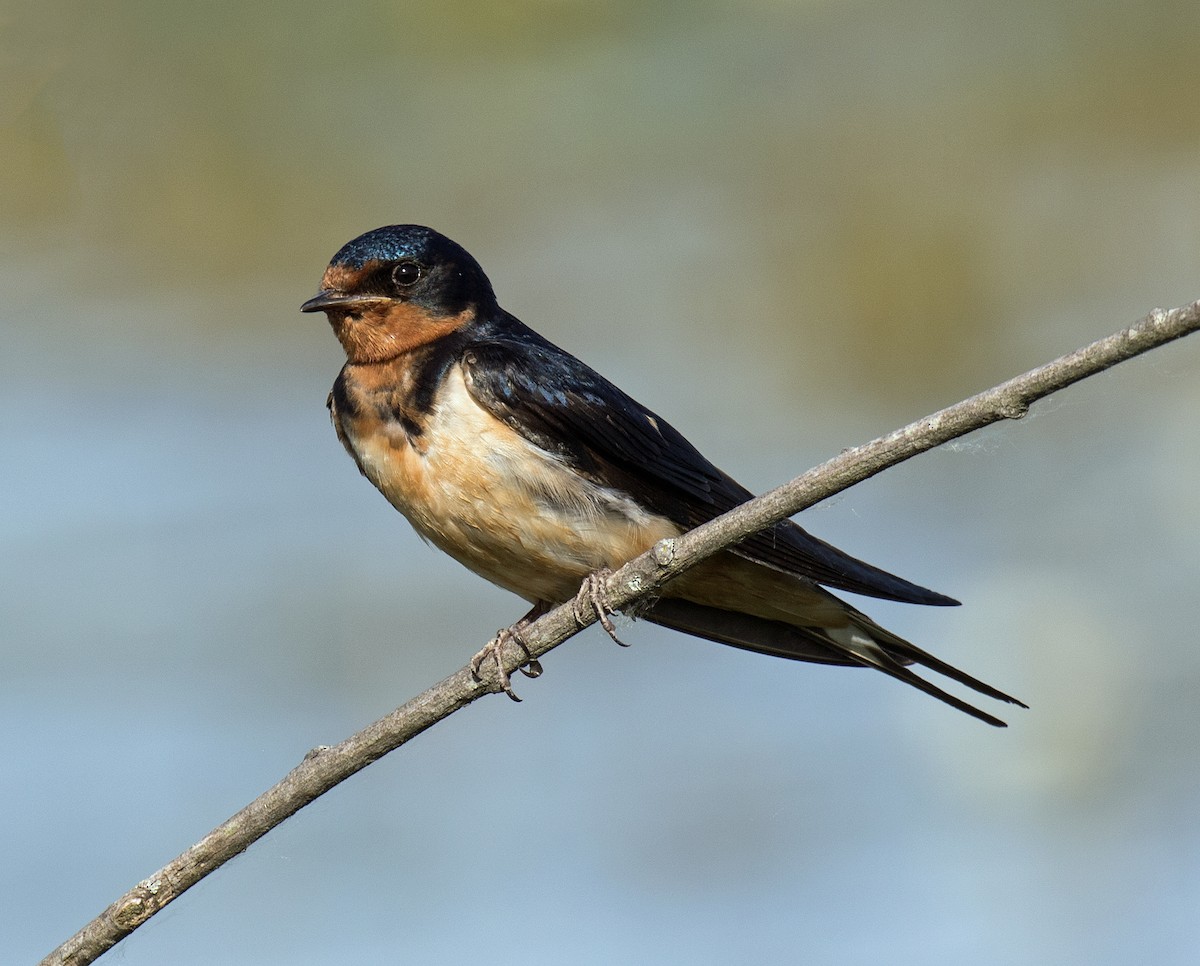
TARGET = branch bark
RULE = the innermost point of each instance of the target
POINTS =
(325, 767)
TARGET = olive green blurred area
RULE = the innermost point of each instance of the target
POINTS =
(787, 227)
(903, 179)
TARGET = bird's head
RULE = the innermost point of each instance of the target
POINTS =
(397, 288)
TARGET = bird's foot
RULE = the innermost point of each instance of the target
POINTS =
(494, 648)
(593, 596)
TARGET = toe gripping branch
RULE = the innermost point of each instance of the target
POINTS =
(592, 596)
(494, 649)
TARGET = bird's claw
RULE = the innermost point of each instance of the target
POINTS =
(493, 649)
(593, 595)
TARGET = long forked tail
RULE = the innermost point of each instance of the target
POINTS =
(862, 643)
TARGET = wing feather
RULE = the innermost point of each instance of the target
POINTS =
(569, 409)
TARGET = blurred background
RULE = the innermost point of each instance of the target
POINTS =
(788, 227)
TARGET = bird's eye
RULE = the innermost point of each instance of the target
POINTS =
(406, 273)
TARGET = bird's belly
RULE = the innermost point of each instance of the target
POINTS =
(508, 510)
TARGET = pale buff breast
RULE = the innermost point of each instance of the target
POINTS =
(501, 506)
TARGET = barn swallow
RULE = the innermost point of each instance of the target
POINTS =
(536, 472)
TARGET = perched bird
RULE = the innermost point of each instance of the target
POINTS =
(536, 472)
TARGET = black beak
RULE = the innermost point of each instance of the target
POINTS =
(330, 299)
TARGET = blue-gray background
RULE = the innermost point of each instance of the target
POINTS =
(786, 226)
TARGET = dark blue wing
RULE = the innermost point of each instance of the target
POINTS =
(567, 408)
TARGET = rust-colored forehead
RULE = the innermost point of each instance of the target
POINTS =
(347, 278)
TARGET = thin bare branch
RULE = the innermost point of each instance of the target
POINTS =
(325, 767)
